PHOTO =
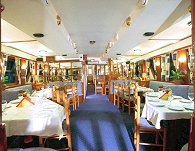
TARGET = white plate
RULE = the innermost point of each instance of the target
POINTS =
(176, 108)
(152, 94)
(189, 106)
(15, 101)
(152, 99)
(157, 104)
(185, 101)
(177, 97)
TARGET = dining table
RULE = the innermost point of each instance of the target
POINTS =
(42, 118)
(161, 113)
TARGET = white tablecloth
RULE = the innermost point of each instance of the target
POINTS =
(42, 119)
(47, 93)
(144, 89)
(155, 114)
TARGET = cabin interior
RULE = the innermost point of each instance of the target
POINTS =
(97, 75)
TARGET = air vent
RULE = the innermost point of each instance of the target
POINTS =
(64, 55)
(38, 35)
(148, 33)
(118, 54)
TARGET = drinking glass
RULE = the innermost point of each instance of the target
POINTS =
(170, 98)
(191, 96)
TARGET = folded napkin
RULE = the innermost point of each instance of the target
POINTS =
(165, 95)
(25, 102)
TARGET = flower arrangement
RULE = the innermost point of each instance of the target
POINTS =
(26, 94)
(166, 94)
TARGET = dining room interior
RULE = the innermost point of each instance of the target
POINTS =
(97, 75)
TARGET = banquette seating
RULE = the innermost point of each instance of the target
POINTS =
(12, 93)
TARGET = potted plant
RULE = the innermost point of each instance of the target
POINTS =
(177, 76)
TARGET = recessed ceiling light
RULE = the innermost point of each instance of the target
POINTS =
(189, 23)
(38, 35)
(92, 42)
(148, 33)
(137, 50)
(42, 51)
(118, 54)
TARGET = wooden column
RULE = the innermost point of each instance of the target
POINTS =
(3, 138)
(191, 146)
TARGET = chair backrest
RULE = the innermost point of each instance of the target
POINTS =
(60, 91)
(120, 88)
(137, 119)
(126, 89)
(54, 95)
(66, 103)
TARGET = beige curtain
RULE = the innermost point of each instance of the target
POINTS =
(4, 65)
(17, 63)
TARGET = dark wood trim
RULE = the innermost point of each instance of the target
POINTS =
(3, 138)
(191, 146)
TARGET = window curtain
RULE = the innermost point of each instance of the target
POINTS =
(4, 65)
(172, 66)
(17, 63)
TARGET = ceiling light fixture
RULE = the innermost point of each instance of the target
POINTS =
(2, 7)
(64, 55)
(118, 54)
(58, 19)
(144, 2)
(128, 21)
(43, 51)
(38, 35)
(148, 34)
(92, 42)
(189, 23)
(137, 50)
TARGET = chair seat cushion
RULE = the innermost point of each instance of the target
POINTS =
(145, 124)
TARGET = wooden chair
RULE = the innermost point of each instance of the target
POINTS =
(59, 95)
(141, 125)
(115, 100)
(120, 99)
(107, 88)
(54, 95)
(127, 97)
(97, 87)
(72, 94)
(66, 125)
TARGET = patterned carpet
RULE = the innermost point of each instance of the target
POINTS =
(97, 125)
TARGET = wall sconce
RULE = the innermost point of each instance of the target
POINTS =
(182, 59)
(58, 20)
(157, 63)
(23, 66)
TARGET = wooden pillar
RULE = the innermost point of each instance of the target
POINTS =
(3, 138)
(191, 146)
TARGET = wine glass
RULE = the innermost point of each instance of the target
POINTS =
(170, 98)
(191, 96)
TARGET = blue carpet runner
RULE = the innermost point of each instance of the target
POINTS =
(97, 125)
